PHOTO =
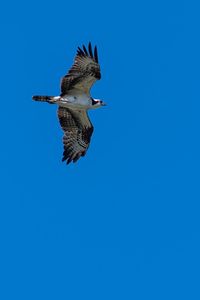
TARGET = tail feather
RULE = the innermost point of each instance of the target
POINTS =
(49, 99)
(42, 98)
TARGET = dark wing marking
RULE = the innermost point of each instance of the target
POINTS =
(77, 133)
(84, 72)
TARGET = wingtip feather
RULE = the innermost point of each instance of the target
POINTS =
(88, 52)
(96, 54)
(85, 50)
(90, 49)
(80, 51)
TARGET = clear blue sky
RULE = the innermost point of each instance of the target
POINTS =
(123, 222)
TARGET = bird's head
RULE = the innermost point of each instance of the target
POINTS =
(97, 103)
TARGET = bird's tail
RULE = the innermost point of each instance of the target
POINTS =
(49, 99)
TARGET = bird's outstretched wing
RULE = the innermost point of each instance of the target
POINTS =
(84, 72)
(77, 133)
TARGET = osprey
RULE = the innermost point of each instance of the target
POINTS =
(74, 102)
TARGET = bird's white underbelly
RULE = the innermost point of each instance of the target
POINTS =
(75, 101)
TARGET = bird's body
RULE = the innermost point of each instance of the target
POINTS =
(74, 102)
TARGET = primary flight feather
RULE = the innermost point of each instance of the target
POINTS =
(74, 102)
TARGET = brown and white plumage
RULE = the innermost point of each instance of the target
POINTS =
(74, 101)
(84, 72)
(77, 133)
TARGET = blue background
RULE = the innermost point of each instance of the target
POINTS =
(123, 222)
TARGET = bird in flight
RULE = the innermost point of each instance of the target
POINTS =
(74, 102)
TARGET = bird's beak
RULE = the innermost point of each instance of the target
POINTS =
(103, 104)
